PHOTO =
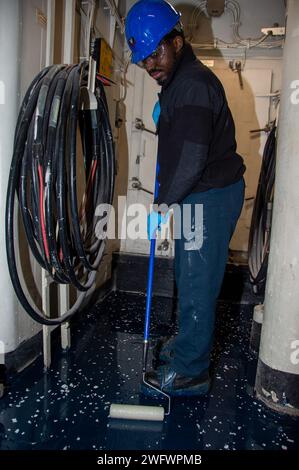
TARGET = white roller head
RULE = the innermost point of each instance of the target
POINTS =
(148, 413)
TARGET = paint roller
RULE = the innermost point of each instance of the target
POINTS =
(141, 412)
(146, 413)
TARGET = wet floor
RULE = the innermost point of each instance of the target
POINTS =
(68, 407)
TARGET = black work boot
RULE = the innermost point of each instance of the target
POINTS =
(163, 351)
(172, 383)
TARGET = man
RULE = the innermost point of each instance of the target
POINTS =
(198, 165)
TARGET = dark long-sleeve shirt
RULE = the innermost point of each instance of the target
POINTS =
(197, 146)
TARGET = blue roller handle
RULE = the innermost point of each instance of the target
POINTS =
(149, 289)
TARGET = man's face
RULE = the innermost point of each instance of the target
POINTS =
(160, 63)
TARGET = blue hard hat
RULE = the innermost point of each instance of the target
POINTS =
(147, 22)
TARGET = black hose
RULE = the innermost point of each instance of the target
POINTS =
(43, 175)
(260, 228)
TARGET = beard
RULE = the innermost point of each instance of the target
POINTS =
(173, 63)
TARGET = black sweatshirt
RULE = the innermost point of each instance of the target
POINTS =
(197, 146)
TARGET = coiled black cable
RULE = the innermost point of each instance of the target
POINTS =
(260, 228)
(43, 175)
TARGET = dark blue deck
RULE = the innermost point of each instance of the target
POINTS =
(67, 407)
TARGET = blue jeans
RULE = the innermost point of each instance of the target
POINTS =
(199, 272)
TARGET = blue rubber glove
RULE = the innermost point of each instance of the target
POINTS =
(156, 113)
(154, 221)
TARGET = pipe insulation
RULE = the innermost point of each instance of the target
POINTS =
(10, 39)
(277, 379)
(60, 228)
